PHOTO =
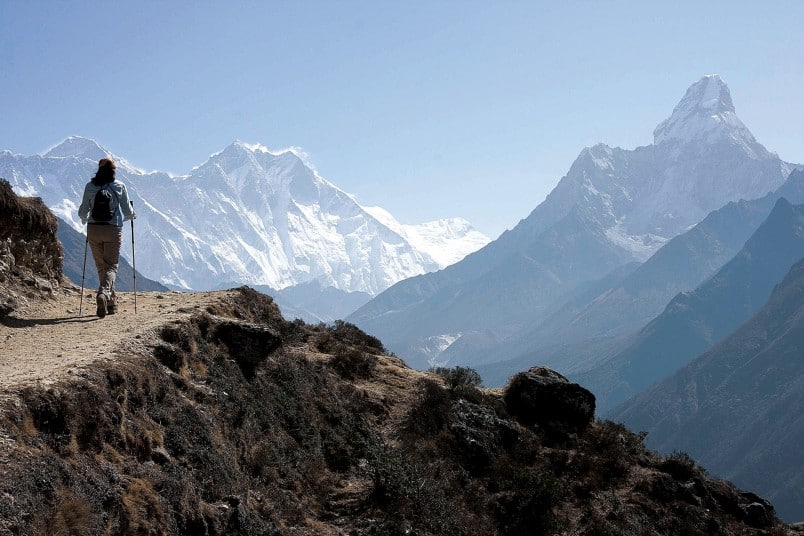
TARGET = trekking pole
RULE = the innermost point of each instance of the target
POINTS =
(83, 273)
(133, 259)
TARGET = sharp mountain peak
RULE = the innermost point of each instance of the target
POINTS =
(706, 112)
(78, 146)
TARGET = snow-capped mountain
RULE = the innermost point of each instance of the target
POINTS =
(436, 238)
(702, 157)
(248, 215)
(706, 112)
(614, 206)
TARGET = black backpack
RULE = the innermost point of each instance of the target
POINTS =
(104, 205)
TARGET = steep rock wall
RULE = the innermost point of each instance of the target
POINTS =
(30, 254)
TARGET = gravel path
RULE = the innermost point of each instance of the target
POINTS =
(47, 340)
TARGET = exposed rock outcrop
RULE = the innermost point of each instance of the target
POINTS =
(30, 254)
(545, 398)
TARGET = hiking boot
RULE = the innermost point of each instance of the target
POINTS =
(101, 305)
(111, 308)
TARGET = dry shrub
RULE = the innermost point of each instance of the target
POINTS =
(143, 510)
(296, 332)
(527, 501)
(432, 411)
(352, 363)
(72, 516)
(416, 496)
(680, 466)
(344, 333)
(609, 451)
(462, 382)
(458, 377)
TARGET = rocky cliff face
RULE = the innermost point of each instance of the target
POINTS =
(30, 254)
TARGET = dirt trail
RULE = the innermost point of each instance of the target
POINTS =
(47, 340)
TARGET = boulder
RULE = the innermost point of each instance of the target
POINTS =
(545, 398)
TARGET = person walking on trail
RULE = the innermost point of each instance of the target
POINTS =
(104, 207)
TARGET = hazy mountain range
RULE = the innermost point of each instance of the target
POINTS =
(694, 321)
(602, 318)
(614, 208)
(737, 409)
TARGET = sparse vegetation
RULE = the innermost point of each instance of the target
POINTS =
(344, 333)
(462, 382)
(680, 466)
(352, 363)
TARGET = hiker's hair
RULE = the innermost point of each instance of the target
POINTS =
(105, 173)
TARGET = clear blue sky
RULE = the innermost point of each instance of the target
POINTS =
(427, 108)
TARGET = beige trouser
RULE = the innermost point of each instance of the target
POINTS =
(105, 241)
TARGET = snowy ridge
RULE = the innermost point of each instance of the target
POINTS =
(447, 240)
(703, 157)
(435, 345)
(641, 247)
(706, 112)
(248, 215)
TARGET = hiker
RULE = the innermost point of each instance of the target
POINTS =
(105, 207)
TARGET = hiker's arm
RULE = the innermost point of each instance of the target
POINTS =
(86, 205)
